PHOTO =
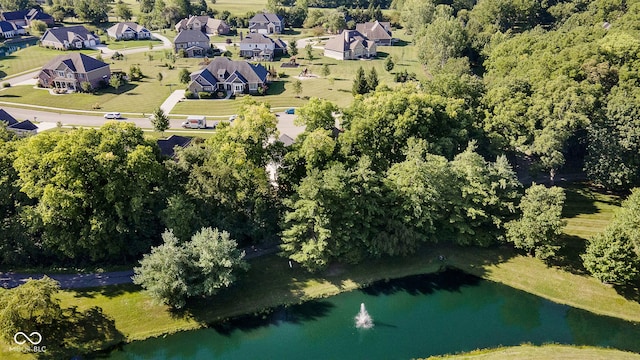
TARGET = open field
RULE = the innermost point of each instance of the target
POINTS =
(545, 352)
(271, 282)
(30, 58)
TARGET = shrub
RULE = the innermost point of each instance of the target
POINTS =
(6, 85)
(189, 94)
(96, 106)
(205, 95)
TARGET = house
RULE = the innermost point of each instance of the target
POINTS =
(205, 24)
(25, 17)
(22, 128)
(378, 32)
(266, 23)
(193, 42)
(128, 31)
(168, 146)
(223, 74)
(260, 46)
(70, 70)
(350, 45)
(9, 30)
(72, 37)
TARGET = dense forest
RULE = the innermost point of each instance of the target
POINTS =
(550, 86)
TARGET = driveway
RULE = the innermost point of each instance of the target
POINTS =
(166, 44)
(172, 100)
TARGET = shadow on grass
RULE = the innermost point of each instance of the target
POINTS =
(10, 96)
(275, 88)
(629, 291)
(110, 291)
(579, 201)
(568, 256)
(382, 55)
(80, 333)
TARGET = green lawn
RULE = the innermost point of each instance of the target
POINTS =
(129, 44)
(545, 352)
(136, 97)
(30, 58)
(271, 282)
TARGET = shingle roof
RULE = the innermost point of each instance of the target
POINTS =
(69, 33)
(14, 15)
(348, 39)
(191, 36)
(207, 75)
(119, 28)
(265, 18)
(250, 72)
(35, 14)
(8, 119)
(286, 140)
(256, 38)
(6, 26)
(25, 125)
(78, 62)
(167, 146)
(375, 30)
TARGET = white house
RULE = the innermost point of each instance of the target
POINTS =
(128, 31)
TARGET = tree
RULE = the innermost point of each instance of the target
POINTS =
(440, 41)
(159, 77)
(415, 14)
(614, 255)
(389, 64)
(297, 87)
(38, 27)
(30, 307)
(293, 47)
(85, 86)
(94, 11)
(538, 228)
(160, 120)
(115, 81)
(174, 272)
(96, 191)
(316, 114)
(123, 11)
(135, 73)
(15, 5)
(309, 49)
(359, 83)
(372, 80)
(184, 76)
(325, 70)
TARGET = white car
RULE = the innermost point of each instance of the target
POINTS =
(112, 115)
(233, 117)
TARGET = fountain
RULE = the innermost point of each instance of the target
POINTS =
(363, 319)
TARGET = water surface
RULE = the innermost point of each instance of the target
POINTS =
(414, 317)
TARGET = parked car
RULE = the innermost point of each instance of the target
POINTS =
(233, 117)
(290, 111)
(195, 122)
(112, 115)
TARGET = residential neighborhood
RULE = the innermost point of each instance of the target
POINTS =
(378, 180)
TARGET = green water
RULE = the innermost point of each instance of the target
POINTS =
(414, 317)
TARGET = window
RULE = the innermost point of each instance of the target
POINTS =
(61, 73)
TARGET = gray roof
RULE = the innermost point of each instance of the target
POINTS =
(286, 140)
(347, 40)
(191, 36)
(8, 119)
(265, 18)
(167, 146)
(69, 33)
(77, 62)
(119, 28)
(250, 72)
(24, 125)
(375, 30)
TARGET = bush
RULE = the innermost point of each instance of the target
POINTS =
(282, 75)
(6, 85)
(205, 95)
(189, 94)
(96, 106)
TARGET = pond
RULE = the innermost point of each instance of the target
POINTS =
(417, 316)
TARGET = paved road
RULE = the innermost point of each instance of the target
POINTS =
(76, 281)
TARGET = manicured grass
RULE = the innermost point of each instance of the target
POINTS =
(545, 352)
(130, 44)
(30, 58)
(136, 97)
(271, 282)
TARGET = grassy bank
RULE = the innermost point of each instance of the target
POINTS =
(271, 282)
(530, 352)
